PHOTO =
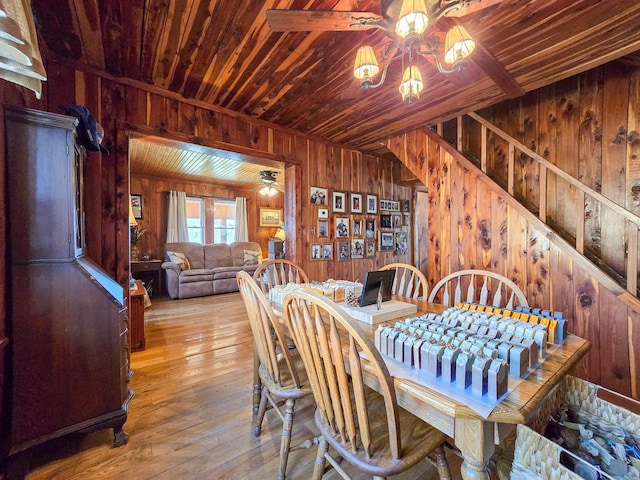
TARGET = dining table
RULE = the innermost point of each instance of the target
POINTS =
(474, 435)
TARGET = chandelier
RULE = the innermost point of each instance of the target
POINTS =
(411, 24)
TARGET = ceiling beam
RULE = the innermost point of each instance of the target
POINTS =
(483, 59)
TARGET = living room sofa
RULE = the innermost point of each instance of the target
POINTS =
(209, 269)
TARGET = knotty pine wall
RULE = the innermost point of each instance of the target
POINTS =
(474, 224)
(122, 107)
(588, 126)
(154, 193)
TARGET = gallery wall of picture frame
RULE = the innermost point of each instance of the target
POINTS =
(361, 224)
(395, 218)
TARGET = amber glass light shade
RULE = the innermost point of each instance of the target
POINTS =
(366, 66)
(458, 45)
(413, 18)
(411, 85)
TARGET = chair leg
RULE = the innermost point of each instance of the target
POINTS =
(257, 384)
(285, 443)
(442, 464)
(257, 429)
(318, 468)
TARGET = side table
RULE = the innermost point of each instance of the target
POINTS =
(150, 269)
(136, 318)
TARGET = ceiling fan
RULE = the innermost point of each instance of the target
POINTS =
(408, 28)
(268, 185)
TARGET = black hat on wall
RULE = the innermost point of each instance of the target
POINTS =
(90, 133)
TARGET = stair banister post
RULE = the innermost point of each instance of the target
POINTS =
(632, 257)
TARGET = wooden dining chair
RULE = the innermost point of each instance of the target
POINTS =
(365, 427)
(494, 289)
(281, 373)
(408, 282)
(278, 272)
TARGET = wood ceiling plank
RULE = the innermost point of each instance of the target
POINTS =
(157, 158)
(167, 47)
(199, 21)
(235, 56)
(207, 69)
(121, 22)
(224, 55)
(154, 28)
(59, 29)
(88, 18)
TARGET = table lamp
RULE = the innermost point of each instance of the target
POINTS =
(132, 218)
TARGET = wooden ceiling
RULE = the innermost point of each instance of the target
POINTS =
(223, 52)
(159, 157)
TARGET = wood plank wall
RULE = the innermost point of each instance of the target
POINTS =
(118, 105)
(587, 125)
(154, 193)
(474, 224)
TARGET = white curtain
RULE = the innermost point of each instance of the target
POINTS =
(242, 230)
(177, 230)
(20, 60)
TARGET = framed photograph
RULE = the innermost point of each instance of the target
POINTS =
(343, 251)
(389, 205)
(406, 206)
(386, 241)
(370, 248)
(401, 243)
(355, 201)
(372, 203)
(370, 228)
(338, 202)
(323, 213)
(316, 251)
(407, 220)
(270, 217)
(356, 228)
(327, 251)
(323, 228)
(357, 249)
(136, 206)
(318, 196)
(342, 227)
(386, 221)
(397, 220)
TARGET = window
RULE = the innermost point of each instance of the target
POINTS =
(224, 221)
(195, 219)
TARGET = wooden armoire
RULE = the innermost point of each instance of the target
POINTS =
(68, 365)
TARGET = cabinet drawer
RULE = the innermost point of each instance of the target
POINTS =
(145, 266)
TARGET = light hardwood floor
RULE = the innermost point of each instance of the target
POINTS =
(191, 415)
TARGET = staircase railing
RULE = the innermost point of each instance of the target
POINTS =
(546, 168)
